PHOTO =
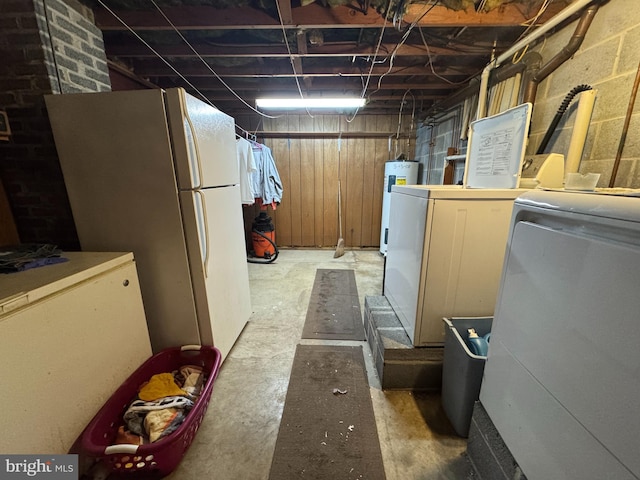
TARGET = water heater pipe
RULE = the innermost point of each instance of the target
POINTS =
(580, 129)
(570, 10)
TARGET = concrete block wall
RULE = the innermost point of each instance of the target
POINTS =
(607, 60)
(423, 151)
(489, 455)
(432, 143)
(433, 140)
(46, 46)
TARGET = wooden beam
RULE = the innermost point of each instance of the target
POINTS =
(136, 49)
(129, 74)
(284, 7)
(301, 45)
(238, 111)
(158, 69)
(325, 84)
(305, 135)
(374, 98)
(309, 16)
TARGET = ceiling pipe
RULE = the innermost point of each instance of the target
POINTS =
(531, 60)
(572, 9)
(531, 88)
(532, 68)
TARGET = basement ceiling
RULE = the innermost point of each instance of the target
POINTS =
(396, 54)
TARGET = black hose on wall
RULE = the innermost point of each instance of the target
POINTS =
(556, 119)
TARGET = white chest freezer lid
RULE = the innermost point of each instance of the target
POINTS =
(22, 288)
(496, 149)
(604, 206)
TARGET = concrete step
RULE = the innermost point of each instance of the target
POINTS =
(400, 365)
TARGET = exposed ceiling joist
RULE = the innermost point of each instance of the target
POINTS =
(425, 53)
(161, 70)
(131, 49)
(311, 16)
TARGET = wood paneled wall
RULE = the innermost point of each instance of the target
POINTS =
(311, 167)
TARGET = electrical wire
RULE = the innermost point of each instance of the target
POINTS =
(402, 41)
(449, 40)
(446, 80)
(204, 62)
(516, 58)
(156, 53)
(413, 112)
(391, 58)
(532, 21)
(202, 96)
(373, 62)
(293, 67)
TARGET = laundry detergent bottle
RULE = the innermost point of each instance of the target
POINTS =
(477, 344)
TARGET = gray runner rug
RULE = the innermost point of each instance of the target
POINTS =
(328, 429)
(334, 307)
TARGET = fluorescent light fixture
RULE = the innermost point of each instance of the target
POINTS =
(293, 103)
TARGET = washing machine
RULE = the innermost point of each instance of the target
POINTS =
(445, 254)
(446, 243)
(561, 383)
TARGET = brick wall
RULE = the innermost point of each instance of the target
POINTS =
(47, 46)
(78, 50)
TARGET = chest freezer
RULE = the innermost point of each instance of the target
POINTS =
(70, 334)
(445, 255)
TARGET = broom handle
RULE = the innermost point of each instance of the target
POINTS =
(339, 208)
(339, 187)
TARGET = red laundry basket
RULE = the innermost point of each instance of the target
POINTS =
(162, 457)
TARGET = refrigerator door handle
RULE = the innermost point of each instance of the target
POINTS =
(194, 141)
(203, 227)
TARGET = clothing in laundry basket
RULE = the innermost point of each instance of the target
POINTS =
(160, 386)
(161, 405)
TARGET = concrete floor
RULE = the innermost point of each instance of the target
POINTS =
(237, 437)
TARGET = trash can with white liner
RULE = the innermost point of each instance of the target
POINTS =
(462, 370)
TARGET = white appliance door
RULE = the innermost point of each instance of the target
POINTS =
(561, 381)
(463, 259)
(404, 257)
(203, 142)
(215, 240)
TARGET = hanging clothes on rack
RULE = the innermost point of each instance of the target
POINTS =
(265, 181)
(246, 168)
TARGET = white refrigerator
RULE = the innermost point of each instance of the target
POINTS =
(155, 172)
